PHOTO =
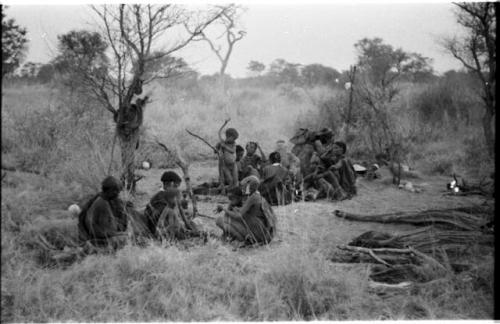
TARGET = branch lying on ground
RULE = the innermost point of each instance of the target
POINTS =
(454, 218)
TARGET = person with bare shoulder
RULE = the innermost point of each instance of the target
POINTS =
(228, 170)
(103, 219)
(254, 222)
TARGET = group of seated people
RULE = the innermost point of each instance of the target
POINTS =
(107, 221)
(277, 174)
(252, 183)
(328, 173)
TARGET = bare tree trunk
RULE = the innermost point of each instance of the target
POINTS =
(488, 129)
(352, 74)
(128, 145)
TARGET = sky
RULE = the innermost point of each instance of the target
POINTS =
(297, 32)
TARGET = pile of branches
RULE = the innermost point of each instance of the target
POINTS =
(420, 255)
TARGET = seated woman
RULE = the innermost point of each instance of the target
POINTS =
(170, 225)
(103, 219)
(254, 222)
(160, 201)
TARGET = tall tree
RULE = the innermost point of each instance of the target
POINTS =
(380, 68)
(231, 35)
(476, 50)
(14, 43)
(133, 34)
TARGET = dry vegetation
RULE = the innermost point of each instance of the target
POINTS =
(67, 139)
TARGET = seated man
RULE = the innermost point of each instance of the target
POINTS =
(235, 196)
(254, 222)
(103, 220)
(343, 168)
(251, 158)
(276, 185)
(157, 204)
(289, 161)
(324, 181)
(249, 171)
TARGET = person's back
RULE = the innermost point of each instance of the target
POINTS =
(103, 220)
(276, 186)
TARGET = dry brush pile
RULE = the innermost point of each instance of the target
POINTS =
(424, 254)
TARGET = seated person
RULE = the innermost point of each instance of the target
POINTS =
(254, 222)
(249, 171)
(289, 160)
(235, 196)
(103, 219)
(157, 204)
(251, 158)
(324, 181)
(276, 185)
(343, 168)
(170, 225)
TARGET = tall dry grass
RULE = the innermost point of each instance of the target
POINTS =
(68, 138)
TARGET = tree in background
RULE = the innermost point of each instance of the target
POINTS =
(232, 34)
(318, 74)
(115, 69)
(284, 72)
(14, 43)
(380, 69)
(256, 67)
(476, 50)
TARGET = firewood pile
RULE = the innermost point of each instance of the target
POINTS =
(422, 255)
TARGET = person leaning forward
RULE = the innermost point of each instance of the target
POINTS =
(254, 222)
(103, 219)
(162, 200)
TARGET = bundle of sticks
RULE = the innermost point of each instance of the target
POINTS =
(419, 255)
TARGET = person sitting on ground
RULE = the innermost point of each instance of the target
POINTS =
(343, 168)
(254, 222)
(160, 200)
(228, 170)
(249, 171)
(251, 158)
(235, 196)
(289, 160)
(276, 186)
(324, 181)
(103, 219)
(171, 225)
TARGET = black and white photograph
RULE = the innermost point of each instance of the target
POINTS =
(258, 161)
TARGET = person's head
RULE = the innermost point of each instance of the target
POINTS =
(111, 187)
(250, 184)
(240, 151)
(170, 179)
(275, 157)
(235, 196)
(342, 146)
(171, 194)
(280, 145)
(325, 135)
(251, 147)
(231, 135)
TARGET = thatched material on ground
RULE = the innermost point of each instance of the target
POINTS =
(458, 218)
(419, 255)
